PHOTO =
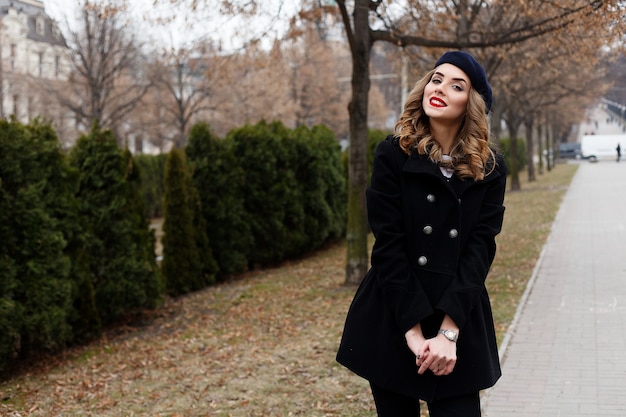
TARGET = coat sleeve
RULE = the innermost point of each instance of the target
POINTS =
(402, 293)
(464, 292)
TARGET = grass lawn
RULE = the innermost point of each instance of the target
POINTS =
(261, 345)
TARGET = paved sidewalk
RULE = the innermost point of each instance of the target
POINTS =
(566, 353)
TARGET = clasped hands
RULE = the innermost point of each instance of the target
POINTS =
(437, 354)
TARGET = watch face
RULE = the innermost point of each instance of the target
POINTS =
(449, 334)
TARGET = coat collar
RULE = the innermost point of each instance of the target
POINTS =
(421, 164)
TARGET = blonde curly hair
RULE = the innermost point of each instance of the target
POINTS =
(471, 155)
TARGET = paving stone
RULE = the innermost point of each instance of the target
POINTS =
(567, 354)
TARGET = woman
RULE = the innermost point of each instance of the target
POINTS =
(420, 325)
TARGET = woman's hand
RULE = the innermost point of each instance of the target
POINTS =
(415, 340)
(439, 356)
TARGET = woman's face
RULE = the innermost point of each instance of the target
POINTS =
(447, 93)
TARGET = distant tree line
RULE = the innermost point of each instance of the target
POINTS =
(76, 249)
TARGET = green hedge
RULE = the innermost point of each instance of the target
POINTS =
(188, 263)
(76, 249)
(257, 150)
(152, 168)
(292, 181)
(267, 192)
(36, 205)
(323, 186)
(119, 244)
(219, 180)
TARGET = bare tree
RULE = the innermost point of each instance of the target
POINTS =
(316, 96)
(294, 82)
(107, 80)
(184, 79)
(541, 74)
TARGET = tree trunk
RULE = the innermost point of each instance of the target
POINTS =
(514, 159)
(357, 256)
(530, 148)
(549, 145)
(496, 131)
(540, 148)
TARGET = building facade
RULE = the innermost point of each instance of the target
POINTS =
(35, 63)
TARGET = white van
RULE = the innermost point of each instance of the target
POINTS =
(601, 147)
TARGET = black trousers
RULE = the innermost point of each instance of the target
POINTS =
(392, 404)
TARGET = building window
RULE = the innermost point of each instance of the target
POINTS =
(30, 110)
(40, 27)
(40, 64)
(16, 99)
(61, 119)
(13, 55)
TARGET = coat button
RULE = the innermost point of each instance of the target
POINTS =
(453, 233)
(430, 198)
(422, 260)
(427, 229)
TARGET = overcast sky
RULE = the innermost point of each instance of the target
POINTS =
(189, 26)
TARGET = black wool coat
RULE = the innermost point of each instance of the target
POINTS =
(435, 242)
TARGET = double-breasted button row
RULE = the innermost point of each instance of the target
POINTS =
(428, 229)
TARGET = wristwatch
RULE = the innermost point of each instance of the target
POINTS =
(451, 335)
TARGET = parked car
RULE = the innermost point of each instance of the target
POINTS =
(570, 150)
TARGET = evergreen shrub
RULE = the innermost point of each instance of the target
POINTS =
(152, 168)
(35, 203)
(319, 175)
(188, 263)
(76, 250)
(294, 192)
(256, 149)
(219, 180)
(291, 153)
(119, 245)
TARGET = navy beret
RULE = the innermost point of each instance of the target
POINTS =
(474, 71)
